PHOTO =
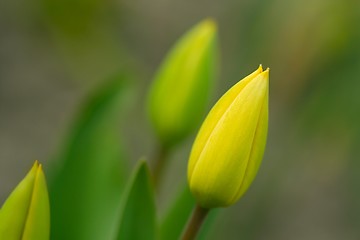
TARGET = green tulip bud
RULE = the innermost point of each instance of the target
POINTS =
(229, 147)
(25, 214)
(180, 92)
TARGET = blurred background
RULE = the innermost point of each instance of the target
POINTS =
(54, 53)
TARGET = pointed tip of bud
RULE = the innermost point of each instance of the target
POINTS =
(266, 73)
(40, 167)
(187, 73)
(37, 167)
(207, 28)
(261, 69)
(34, 167)
(25, 213)
(209, 23)
(37, 164)
(240, 115)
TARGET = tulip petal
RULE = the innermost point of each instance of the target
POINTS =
(38, 221)
(213, 117)
(14, 211)
(25, 215)
(219, 161)
(181, 90)
(257, 150)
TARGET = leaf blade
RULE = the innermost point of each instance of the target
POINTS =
(177, 216)
(93, 170)
(138, 209)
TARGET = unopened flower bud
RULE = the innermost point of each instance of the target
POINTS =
(229, 147)
(25, 214)
(181, 88)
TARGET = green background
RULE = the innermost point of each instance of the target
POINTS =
(55, 53)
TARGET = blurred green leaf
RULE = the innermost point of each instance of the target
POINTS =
(87, 188)
(178, 215)
(207, 225)
(138, 215)
(26, 213)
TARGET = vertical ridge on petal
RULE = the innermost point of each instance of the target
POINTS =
(255, 157)
(15, 209)
(38, 220)
(182, 85)
(221, 165)
(214, 116)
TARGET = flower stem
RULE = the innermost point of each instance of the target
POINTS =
(197, 218)
(159, 164)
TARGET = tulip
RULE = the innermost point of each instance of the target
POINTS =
(180, 92)
(25, 214)
(229, 147)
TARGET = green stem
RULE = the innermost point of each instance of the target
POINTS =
(197, 218)
(159, 164)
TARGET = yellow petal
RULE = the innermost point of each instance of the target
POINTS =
(214, 116)
(38, 219)
(230, 143)
(15, 209)
(25, 215)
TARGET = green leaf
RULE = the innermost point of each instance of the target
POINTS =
(25, 214)
(87, 187)
(138, 214)
(208, 224)
(178, 215)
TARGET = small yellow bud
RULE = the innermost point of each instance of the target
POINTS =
(229, 147)
(26, 213)
(180, 92)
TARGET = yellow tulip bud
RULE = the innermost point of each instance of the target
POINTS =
(229, 147)
(180, 92)
(25, 215)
